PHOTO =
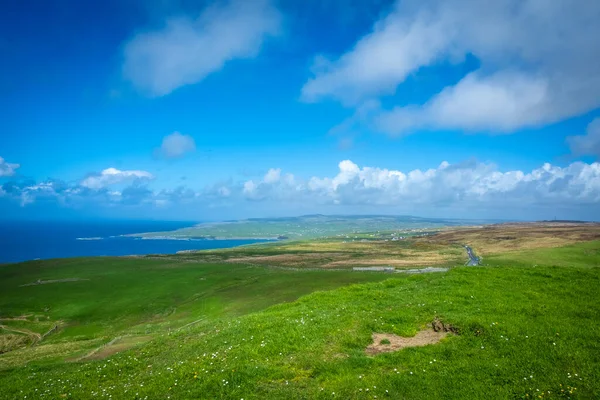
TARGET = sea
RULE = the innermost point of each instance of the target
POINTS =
(30, 240)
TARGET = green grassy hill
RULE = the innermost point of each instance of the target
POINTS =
(308, 226)
(524, 330)
(118, 296)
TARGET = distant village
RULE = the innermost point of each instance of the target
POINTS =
(394, 236)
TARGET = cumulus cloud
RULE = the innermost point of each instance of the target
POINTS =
(588, 144)
(113, 176)
(6, 168)
(466, 185)
(224, 191)
(272, 185)
(467, 189)
(177, 145)
(537, 64)
(186, 50)
(94, 189)
(273, 175)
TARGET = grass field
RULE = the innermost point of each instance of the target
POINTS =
(506, 238)
(309, 227)
(186, 327)
(138, 296)
(336, 253)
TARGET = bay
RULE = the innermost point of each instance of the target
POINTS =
(29, 240)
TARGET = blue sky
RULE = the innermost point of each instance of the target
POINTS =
(231, 109)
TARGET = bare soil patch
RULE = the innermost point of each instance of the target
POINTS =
(115, 346)
(388, 342)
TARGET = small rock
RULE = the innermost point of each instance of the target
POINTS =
(437, 325)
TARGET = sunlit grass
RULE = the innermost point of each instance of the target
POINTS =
(522, 332)
(180, 327)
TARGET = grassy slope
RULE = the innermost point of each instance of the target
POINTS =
(523, 329)
(508, 238)
(586, 254)
(141, 296)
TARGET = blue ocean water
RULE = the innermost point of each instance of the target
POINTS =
(29, 240)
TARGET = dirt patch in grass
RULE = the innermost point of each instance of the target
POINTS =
(405, 258)
(408, 262)
(115, 346)
(289, 260)
(388, 342)
(19, 318)
(34, 336)
(11, 342)
(41, 282)
(24, 355)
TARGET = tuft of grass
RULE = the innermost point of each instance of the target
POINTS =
(11, 341)
(384, 341)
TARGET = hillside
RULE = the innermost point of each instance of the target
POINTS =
(217, 325)
(307, 227)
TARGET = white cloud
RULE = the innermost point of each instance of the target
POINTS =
(500, 103)
(538, 64)
(6, 168)
(396, 47)
(272, 185)
(177, 145)
(272, 175)
(588, 144)
(224, 191)
(113, 176)
(186, 50)
(464, 185)
(250, 188)
(467, 189)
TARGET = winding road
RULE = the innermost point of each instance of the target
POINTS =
(473, 261)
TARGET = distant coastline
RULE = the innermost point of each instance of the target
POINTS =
(40, 240)
(305, 227)
(202, 238)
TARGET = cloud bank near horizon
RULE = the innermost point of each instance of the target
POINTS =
(466, 186)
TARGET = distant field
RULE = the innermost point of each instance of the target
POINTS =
(586, 254)
(308, 227)
(282, 321)
(503, 238)
(337, 254)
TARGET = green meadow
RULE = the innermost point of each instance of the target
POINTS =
(310, 227)
(149, 328)
(143, 295)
